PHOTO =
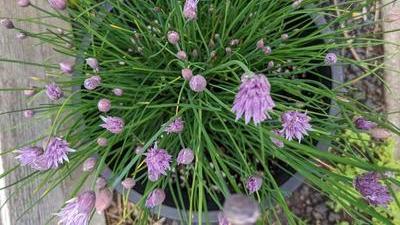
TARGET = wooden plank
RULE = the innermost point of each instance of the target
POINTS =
(391, 18)
(18, 75)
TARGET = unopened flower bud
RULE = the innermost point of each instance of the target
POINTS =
(173, 37)
(29, 92)
(58, 4)
(104, 198)
(128, 183)
(260, 44)
(102, 141)
(67, 67)
(185, 156)
(181, 55)
(267, 50)
(23, 3)
(28, 113)
(380, 133)
(234, 42)
(198, 83)
(330, 59)
(101, 183)
(104, 105)
(118, 91)
(93, 63)
(89, 164)
(187, 74)
(285, 37)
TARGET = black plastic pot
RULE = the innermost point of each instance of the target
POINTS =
(287, 187)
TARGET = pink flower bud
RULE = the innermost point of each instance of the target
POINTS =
(29, 92)
(23, 3)
(330, 59)
(7, 23)
(58, 4)
(104, 199)
(104, 105)
(103, 142)
(181, 55)
(118, 91)
(185, 156)
(285, 37)
(128, 183)
(67, 67)
(198, 83)
(101, 183)
(173, 37)
(155, 198)
(92, 82)
(187, 74)
(267, 50)
(28, 113)
(380, 133)
(89, 164)
(93, 63)
(260, 44)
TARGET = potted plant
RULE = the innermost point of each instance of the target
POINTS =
(184, 103)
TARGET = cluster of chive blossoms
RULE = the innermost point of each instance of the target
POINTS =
(253, 101)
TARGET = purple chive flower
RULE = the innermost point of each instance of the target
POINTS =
(20, 36)
(93, 63)
(28, 156)
(181, 55)
(118, 91)
(198, 83)
(276, 141)
(185, 156)
(56, 152)
(369, 186)
(67, 67)
(92, 82)
(158, 162)
(330, 59)
(89, 164)
(7, 23)
(254, 183)
(113, 124)
(28, 113)
(54, 92)
(363, 124)
(77, 211)
(102, 141)
(155, 198)
(128, 183)
(173, 37)
(175, 126)
(23, 3)
(241, 209)
(104, 105)
(253, 99)
(295, 125)
(190, 9)
(187, 74)
(58, 4)
(260, 44)
(222, 219)
(104, 199)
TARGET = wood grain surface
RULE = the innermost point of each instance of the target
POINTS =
(14, 128)
(391, 18)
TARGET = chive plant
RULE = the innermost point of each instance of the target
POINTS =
(190, 101)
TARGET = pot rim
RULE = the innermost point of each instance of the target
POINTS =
(287, 188)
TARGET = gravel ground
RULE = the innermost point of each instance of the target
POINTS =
(307, 203)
